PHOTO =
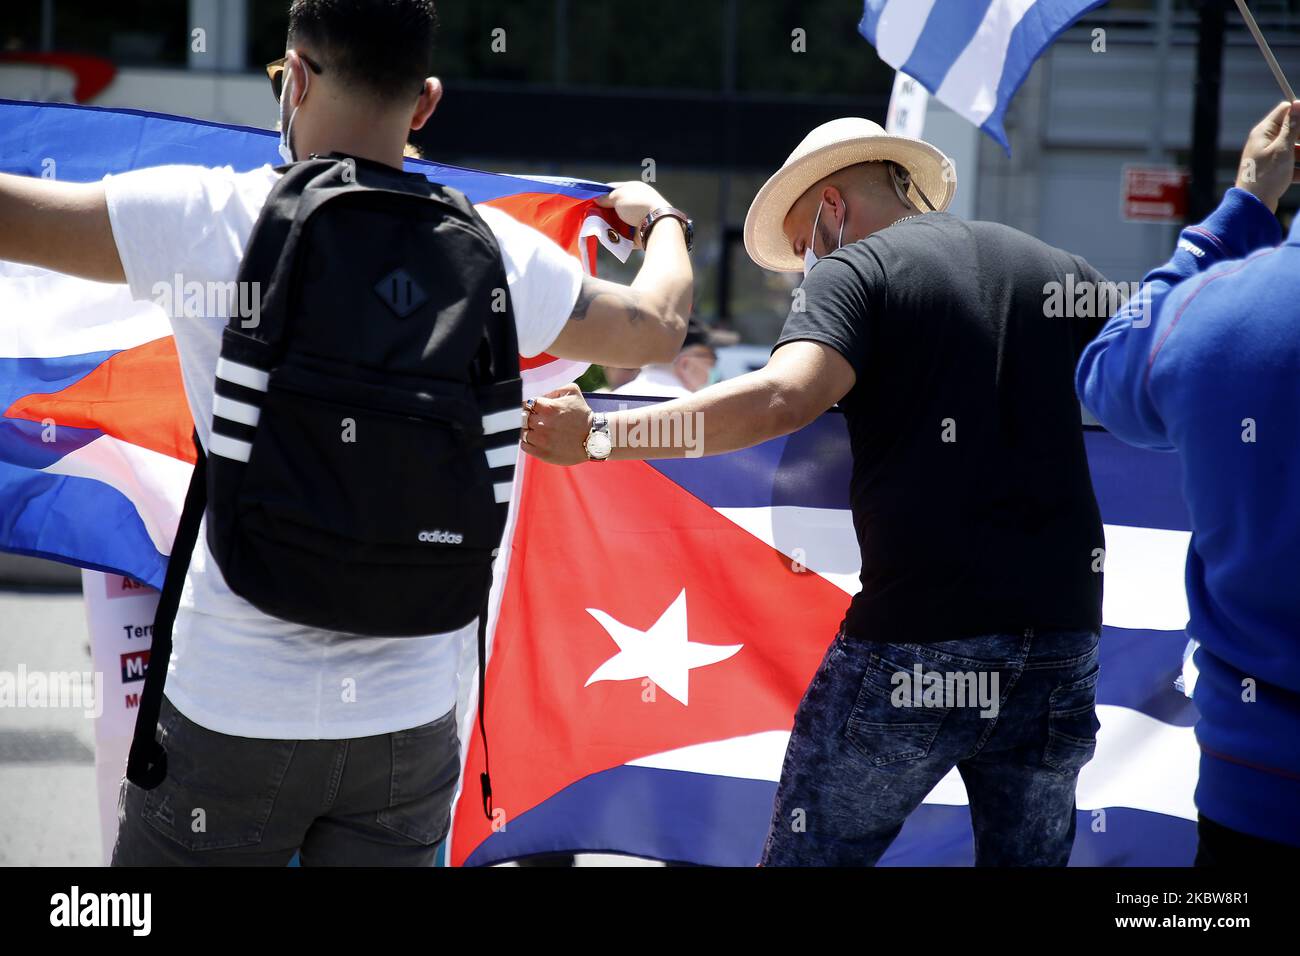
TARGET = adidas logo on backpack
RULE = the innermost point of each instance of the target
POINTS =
(441, 537)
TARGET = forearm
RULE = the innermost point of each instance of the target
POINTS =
(731, 415)
(59, 226)
(665, 283)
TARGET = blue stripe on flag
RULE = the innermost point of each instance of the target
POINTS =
(23, 442)
(870, 22)
(808, 469)
(32, 375)
(948, 31)
(723, 821)
(1138, 670)
(86, 143)
(26, 444)
(1038, 30)
(1123, 478)
(811, 468)
(661, 815)
(77, 521)
(941, 835)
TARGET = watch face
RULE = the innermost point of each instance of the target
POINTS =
(599, 445)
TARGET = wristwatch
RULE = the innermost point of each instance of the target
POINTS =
(667, 212)
(598, 444)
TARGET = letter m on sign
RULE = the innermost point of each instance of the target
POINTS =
(134, 666)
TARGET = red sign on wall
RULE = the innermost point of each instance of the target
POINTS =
(1154, 194)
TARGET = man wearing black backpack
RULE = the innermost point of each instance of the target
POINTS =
(359, 443)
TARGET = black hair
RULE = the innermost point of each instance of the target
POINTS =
(384, 47)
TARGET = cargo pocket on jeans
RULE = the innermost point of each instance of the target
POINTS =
(885, 729)
(1072, 725)
(426, 766)
(219, 790)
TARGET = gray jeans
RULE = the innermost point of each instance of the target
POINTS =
(239, 801)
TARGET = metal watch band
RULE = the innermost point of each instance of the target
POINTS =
(599, 424)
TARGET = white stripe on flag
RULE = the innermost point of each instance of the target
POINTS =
(898, 29)
(153, 482)
(617, 245)
(544, 378)
(44, 314)
(819, 539)
(229, 447)
(1144, 578)
(971, 86)
(1144, 566)
(234, 411)
(241, 374)
(1140, 762)
(501, 491)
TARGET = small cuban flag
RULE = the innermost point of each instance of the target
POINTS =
(971, 54)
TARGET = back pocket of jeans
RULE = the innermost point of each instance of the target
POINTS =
(1072, 725)
(886, 724)
(426, 766)
(219, 790)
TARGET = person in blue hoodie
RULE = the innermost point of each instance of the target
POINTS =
(1205, 362)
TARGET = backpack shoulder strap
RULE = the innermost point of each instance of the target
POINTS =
(146, 766)
(270, 249)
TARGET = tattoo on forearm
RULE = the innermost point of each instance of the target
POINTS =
(609, 296)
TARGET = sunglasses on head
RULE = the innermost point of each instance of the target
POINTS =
(275, 72)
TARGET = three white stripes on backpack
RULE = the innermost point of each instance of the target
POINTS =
(258, 380)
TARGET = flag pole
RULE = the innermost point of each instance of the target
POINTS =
(1267, 51)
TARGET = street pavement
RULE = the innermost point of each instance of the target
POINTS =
(49, 814)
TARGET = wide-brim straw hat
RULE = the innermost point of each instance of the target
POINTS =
(828, 149)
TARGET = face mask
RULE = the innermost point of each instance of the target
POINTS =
(810, 257)
(286, 129)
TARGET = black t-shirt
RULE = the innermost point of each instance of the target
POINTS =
(971, 495)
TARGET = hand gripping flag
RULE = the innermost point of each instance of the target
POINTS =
(95, 433)
(972, 54)
(661, 620)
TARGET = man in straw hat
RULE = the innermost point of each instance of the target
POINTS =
(973, 641)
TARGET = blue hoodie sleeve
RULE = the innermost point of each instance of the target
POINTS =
(1112, 379)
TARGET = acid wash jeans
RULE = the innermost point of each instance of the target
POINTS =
(881, 724)
(238, 801)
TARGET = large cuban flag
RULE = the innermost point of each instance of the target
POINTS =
(972, 54)
(661, 620)
(95, 434)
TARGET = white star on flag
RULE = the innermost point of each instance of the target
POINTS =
(663, 653)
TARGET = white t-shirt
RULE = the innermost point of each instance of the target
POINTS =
(655, 381)
(234, 669)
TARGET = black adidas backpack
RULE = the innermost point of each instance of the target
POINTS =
(364, 425)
